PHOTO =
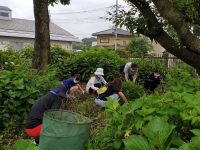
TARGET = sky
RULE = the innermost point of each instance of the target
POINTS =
(81, 17)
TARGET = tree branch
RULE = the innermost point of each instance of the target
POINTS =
(177, 20)
(163, 38)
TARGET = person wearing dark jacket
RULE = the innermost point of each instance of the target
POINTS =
(152, 80)
(52, 100)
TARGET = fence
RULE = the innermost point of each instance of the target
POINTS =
(167, 61)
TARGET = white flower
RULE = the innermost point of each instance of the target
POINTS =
(12, 63)
(6, 63)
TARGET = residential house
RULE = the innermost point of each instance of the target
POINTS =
(19, 32)
(106, 39)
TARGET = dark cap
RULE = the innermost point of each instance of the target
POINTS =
(60, 90)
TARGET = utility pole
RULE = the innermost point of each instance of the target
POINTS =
(116, 26)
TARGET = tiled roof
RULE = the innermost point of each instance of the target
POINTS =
(111, 32)
(5, 8)
(29, 26)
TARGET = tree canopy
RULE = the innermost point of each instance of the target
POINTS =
(88, 41)
(140, 46)
(174, 24)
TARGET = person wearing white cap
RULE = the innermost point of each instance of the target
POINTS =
(96, 81)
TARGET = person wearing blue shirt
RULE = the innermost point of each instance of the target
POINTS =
(72, 84)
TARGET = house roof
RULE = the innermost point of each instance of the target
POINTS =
(111, 32)
(5, 8)
(26, 28)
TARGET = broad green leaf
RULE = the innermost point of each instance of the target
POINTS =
(6, 115)
(115, 104)
(159, 132)
(30, 101)
(138, 142)
(139, 124)
(3, 76)
(136, 104)
(196, 131)
(21, 86)
(177, 141)
(117, 143)
(195, 142)
(17, 103)
(186, 146)
(194, 120)
(33, 147)
(150, 111)
(23, 144)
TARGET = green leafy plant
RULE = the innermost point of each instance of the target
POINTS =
(146, 67)
(87, 62)
(23, 145)
(132, 91)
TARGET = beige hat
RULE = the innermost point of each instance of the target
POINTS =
(99, 71)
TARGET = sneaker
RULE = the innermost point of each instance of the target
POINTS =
(35, 143)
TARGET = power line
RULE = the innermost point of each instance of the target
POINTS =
(85, 11)
(94, 5)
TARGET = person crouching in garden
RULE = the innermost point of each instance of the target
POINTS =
(96, 81)
(52, 100)
(111, 90)
(152, 80)
(72, 84)
(129, 71)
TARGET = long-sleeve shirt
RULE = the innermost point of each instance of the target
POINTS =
(93, 80)
(48, 101)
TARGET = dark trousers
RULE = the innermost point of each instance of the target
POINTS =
(123, 76)
(150, 85)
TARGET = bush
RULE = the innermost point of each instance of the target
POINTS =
(154, 122)
(131, 91)
(86, 64)
(122, 52)
(146, 67)
(183, 71)
(19, 90)
(140, 46)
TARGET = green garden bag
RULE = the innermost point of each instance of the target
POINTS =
(64, 130)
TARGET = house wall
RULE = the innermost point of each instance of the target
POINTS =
(7, 40)
(157, 48)
(112, 40)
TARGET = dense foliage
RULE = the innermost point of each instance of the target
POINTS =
(23, 145)
(139, 46)
(147, 66)
(86, 63)
(88, 41)
(154, 122)
(80, 46)
(19, 89)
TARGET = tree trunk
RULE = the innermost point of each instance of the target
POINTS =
(41, 55)
(184, 53)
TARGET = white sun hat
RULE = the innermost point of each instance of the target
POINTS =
(99, 71)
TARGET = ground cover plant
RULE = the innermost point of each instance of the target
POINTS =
(118, 125)
(153, 122)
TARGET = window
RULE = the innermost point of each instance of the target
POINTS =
(17, 46)
(104, 40)
(4, 14)
(124, 43)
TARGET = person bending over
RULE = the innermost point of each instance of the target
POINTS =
(111, 90)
